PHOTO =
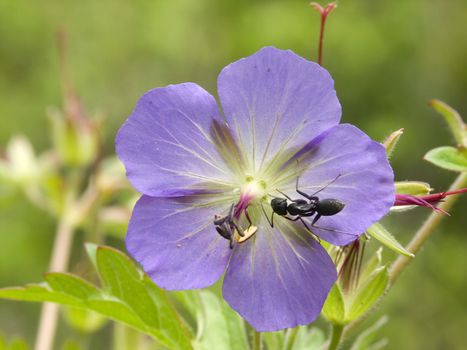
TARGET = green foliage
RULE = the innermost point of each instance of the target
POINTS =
(365, 340)
(449, 158)
(84, 320)
(454, 121)
(128, 296)
(219, 327)
(334, 307)
(368, 294)
(380, 233)
(298, 338)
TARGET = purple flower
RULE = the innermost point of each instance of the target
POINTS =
(192, 163)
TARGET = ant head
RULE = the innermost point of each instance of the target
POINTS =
(279, 206)
(329, 206)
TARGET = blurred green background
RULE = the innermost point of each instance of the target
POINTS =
(387, 58)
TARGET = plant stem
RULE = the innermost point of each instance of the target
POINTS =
(422, 234)
(257, 341)
(336, 336)
(290, 337)
(425, 231)
(58, 263)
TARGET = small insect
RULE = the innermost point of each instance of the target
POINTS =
(300, 208)
(227, 228)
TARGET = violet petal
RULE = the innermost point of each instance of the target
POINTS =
(175, 241)
(165, 143)
(276, 100)
(279, 279)
(365, 184)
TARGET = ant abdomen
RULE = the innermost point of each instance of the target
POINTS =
(329, 206)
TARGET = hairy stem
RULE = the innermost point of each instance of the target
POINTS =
(58, 263)
(422, 234)
(336, 336)
(426, 230)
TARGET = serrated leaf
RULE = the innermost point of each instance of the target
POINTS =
(36, 292)
(71, 285)
(380, 233)
(414, 188)
(334, 307)
(365, 339)
(453, 119)
(219, 327)
(449, 158)
(122, 279)
(368, 294)
(129, 297)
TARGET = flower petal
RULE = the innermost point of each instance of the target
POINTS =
(276, 100)
(279, 279)
(175, 241)
(365, 183)
(165, 143)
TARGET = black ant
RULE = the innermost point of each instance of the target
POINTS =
(301, 208)
(226, 226)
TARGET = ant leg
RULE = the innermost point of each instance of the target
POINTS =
(290, 219)
(282, 193)
(231, 245)
(231, 210)
(307, 196)
(219, 220)
(234, 225)
(315, 219)
(308, 229)
(248, 217)
(270, 222)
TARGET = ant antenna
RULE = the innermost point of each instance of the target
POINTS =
(282, 193)
(332, 181)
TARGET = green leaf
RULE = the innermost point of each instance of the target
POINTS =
(129, 297)
(123, 280)
(365, 339)
(453, 119)
(71, 285)
(380, 233)
(219, 327)
(414, 188)
(308, 338)
(84, 320)
(334, 307)
(368, 294)
(91, 250)
(391, 142)
(372, 265)
(276, 340)
(449, 158)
